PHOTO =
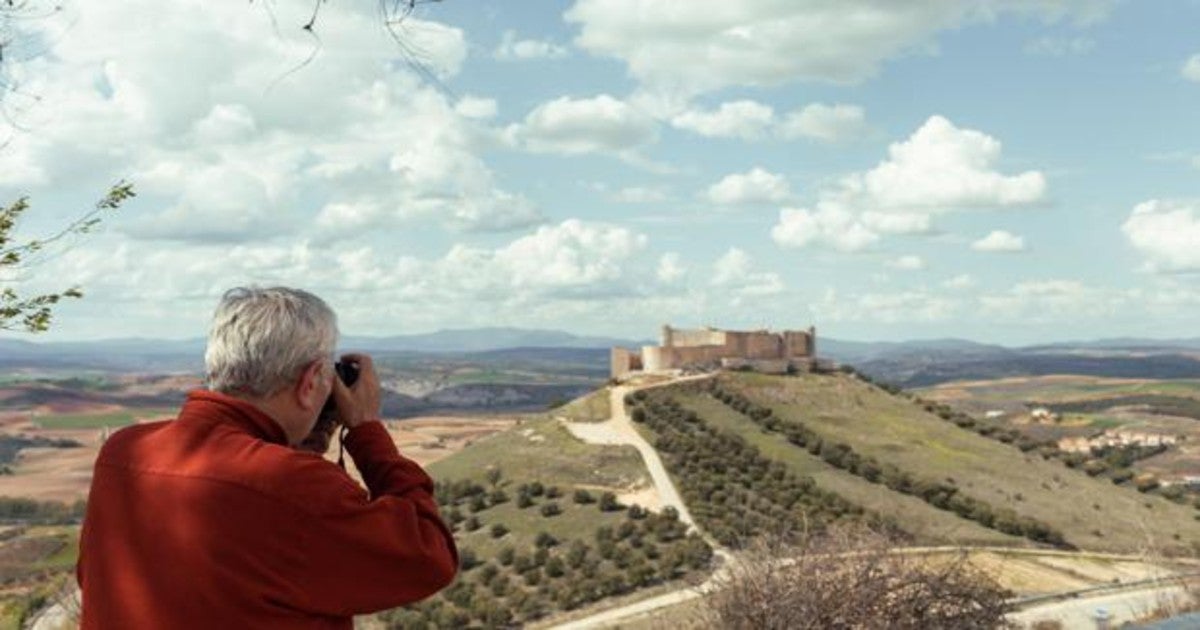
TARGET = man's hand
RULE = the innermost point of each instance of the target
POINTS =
(360, 403)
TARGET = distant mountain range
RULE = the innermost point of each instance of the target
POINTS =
(907, 363)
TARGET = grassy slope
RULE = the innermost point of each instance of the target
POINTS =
(540, 449)
(928, 524)
(893, 430)
(594, 407)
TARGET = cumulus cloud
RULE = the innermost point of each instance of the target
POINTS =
(1191, 68)
(228, 154)
(756, 186)
(828, 225)
(571, 254)
(999, 241)
(735, 271)
(940, 169)
(746, 120)
(513, 49)
(943, 166)
(1167, 233)
(601, 124)
(476, 107)
(675, 47)
(829, 123)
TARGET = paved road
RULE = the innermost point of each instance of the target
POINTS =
(1080, 614)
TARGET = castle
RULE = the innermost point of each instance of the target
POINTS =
(706, 348)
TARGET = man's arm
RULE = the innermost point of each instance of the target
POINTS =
(382, 550)
(363, 554)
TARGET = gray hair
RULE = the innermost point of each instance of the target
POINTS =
(262, 338)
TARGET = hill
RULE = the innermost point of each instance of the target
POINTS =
(752, 454)
(817, 424)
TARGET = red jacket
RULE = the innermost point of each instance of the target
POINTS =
(211, 521)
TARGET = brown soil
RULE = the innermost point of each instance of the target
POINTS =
(65, 474)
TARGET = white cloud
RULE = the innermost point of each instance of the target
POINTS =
(756, 186)
(1059, 46)
(476, 107)
(907, 263)
(828, 225)
(999, 241)
(747, 120)
(249, 146)
(602, 124)
(939, 169)
(679, 47)
(1191, 68)
(1167, 233)
(830, 123)
(670, 268)
(942, 167)
(571, 254)
(512, 49)
(735, 271)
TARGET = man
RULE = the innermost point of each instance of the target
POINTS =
(216, 520)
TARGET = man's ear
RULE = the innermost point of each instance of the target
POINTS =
(308, 388)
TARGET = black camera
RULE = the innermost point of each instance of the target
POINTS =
(318, 439)
(348, 372)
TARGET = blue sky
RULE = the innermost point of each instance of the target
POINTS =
(1011, 172)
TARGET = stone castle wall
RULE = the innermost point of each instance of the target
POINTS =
(709, 347)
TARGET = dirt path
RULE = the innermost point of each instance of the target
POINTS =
(619, 429)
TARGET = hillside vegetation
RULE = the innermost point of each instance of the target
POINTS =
(540, 530)
(956, 484)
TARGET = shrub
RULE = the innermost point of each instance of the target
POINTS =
(849, 578)
(608, 502)
(551, 509)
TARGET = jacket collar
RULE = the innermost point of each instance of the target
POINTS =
(210, 405)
